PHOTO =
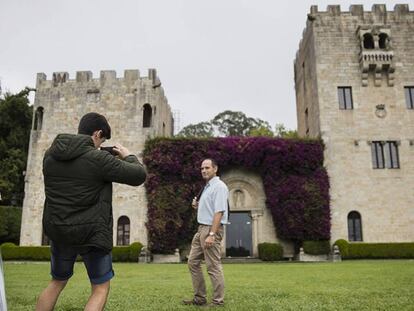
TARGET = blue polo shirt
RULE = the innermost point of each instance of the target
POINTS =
(214, 199)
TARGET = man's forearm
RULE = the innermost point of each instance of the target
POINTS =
(216, 222)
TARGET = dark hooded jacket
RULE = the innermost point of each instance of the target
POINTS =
(78, 185)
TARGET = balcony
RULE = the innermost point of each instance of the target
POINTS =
(379, 62)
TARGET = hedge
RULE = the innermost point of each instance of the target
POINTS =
(295, 182)
(356, 250)
(270, 251)
(321, 247)
(10, 251)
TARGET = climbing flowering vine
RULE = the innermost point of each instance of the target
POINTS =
(295, 182)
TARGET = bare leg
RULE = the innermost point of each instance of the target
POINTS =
(49, 296)
(98, 297)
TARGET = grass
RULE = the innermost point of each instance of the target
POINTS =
(350, 285)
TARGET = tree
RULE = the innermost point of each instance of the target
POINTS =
(261, 131)
(202, 129)
(236, 123)
(15, 124)
(281, 131)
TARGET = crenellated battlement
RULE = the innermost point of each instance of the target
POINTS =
(106, 77)
(375, 32)
(400, 10)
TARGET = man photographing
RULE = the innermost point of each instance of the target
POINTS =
(212, 210)
(77, 214)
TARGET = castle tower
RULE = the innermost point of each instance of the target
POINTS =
(136, 109)
(354, 80)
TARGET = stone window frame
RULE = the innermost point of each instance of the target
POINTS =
(354, 220)
(409, 96)
(123, 231)
(385, 154)
(38, 118)
(368, 41)
(147, 115)
(345, 98)
(392, 157)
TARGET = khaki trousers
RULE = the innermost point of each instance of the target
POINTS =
(212, 258)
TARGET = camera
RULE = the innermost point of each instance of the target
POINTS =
(110, 150)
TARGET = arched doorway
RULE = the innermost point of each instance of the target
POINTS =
(250, 223)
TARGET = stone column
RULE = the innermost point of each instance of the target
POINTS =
(255, 232)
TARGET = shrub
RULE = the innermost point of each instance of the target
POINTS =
(375, 250)
(270, 251)
(343, 247)
(8, 244)
(37, 253)
(134, 251)
(381, 250)
(321, 247)
(120, 253)
(10, 220)
(10, 251)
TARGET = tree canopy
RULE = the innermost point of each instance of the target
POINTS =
(15, 124)
(235, 123)
(202, 129)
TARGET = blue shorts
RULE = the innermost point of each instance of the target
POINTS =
(98, 263)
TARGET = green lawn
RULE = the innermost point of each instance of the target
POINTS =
(350, 285)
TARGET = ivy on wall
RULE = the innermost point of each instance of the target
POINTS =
(294, 179)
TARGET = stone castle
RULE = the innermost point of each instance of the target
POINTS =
(136, 108)
(354, 80)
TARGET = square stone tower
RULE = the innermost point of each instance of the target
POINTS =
(354, 81)
(136, 109)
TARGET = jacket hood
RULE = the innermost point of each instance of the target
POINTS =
(69, 146)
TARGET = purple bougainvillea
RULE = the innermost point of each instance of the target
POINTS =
(295, 182)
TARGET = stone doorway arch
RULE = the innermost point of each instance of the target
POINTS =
(246, 194)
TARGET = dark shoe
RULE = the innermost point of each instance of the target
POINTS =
(193, 302)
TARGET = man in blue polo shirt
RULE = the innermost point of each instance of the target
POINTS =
(211, 215)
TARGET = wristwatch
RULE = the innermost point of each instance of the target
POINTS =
(211, 233)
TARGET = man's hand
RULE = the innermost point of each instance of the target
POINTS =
(209, 241)
(122, 151)
(194, 204)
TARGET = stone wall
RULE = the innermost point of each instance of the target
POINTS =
(63, 102)
(383, 197)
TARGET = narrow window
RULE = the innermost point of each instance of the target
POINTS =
(383, 41)
(307, 121)
(354, 227)
(345, 97)
(377, 151)
(123, 230)
(147, 116)
(38, 119)
(368, 41)
(409, 96)
(392, 159)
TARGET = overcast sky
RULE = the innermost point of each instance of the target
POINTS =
(210, 55)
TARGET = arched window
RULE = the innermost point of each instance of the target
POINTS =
(147, 116)
(354, 227)
(123, 231)
(38, 119)
(368, 41)
(383, 41)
